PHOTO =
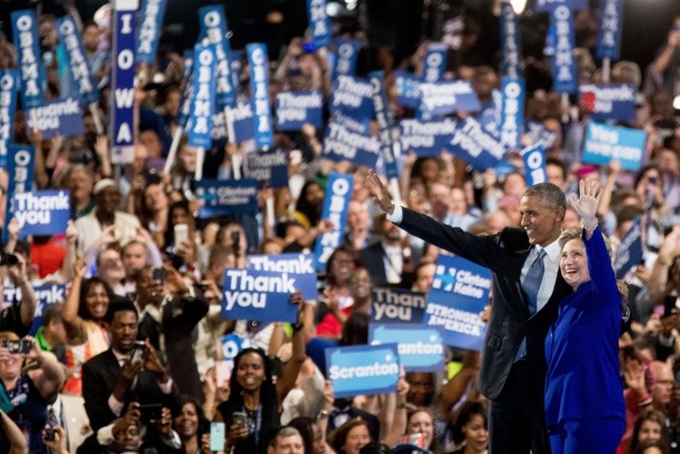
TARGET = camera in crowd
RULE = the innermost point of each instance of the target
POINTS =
(7, 259)
(21, 346)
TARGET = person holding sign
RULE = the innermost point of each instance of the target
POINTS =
(584, 404)
(527, 288)
(253, 410)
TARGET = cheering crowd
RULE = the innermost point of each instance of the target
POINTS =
(132, 357)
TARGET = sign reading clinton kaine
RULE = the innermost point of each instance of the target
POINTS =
(391, 305)
(222, 197)
(298, 266)
(459, 292)
(42, 212)
(609, 101)
(604, 143)
(263, 296)
(421, 347)
(365, 369)
(426, 138)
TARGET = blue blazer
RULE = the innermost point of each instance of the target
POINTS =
(582, 347)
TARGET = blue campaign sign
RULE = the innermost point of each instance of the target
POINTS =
(335, 203)
(203, 97)
(299, 266)
(443, 98)
(20, 172)
(269, 168)
(365, 369)
(534, 165)
(236, 67)
(382, 117)
(123, 86)
(244, 121)
(549, 5)
(420, 347)
(259, 77)
(187, 95)
(222, 197)
(352, 96)
(346, 56)
(537, 133)
(263, 296)
(295, 109)
(232, 344)
(434, 63)
(214, 30)
(149, 31)
(348, 139)
(9, 87)
(27, 45)
(512, 112)
(319, 23)
(77, 61)
(42, 212)
(611, 24)
(629, 253)
(393, 305)
(511, 45)
(564, 65)
(62, 116)
(45, 295)
(408, 89)
(459, 292)
(476, 146)
(609, 101)
(490, 112)
(426, 138)
(604, 143)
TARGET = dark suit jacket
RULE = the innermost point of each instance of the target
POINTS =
(101, 375)
(373, 259)
(180, 316)
(504, 254)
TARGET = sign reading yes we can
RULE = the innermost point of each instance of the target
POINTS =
(42, 212)
(459, 292)
(421, 347)
(365, 369)
(298, 266)
(391, 305)
(604, 143)
(263, 296)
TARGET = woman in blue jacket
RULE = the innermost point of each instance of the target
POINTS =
(584, 404)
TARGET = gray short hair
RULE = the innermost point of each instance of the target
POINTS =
(551, 195)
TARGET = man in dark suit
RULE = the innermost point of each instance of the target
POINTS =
(386, 260)
(525, 304)
(111, 381)
(172, 309)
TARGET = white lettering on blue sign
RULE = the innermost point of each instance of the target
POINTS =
(22, 159)
(563, 49)
(148, 32)
(7, 87)
(28, 60)
(374, 370)
(510, 130)
(299, 265)
(79, 67)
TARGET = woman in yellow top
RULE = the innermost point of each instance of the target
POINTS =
(83, 319)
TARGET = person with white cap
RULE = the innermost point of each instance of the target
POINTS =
(106, 214)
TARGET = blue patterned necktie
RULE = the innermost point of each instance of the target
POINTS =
(530, 285)
(532, 281)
